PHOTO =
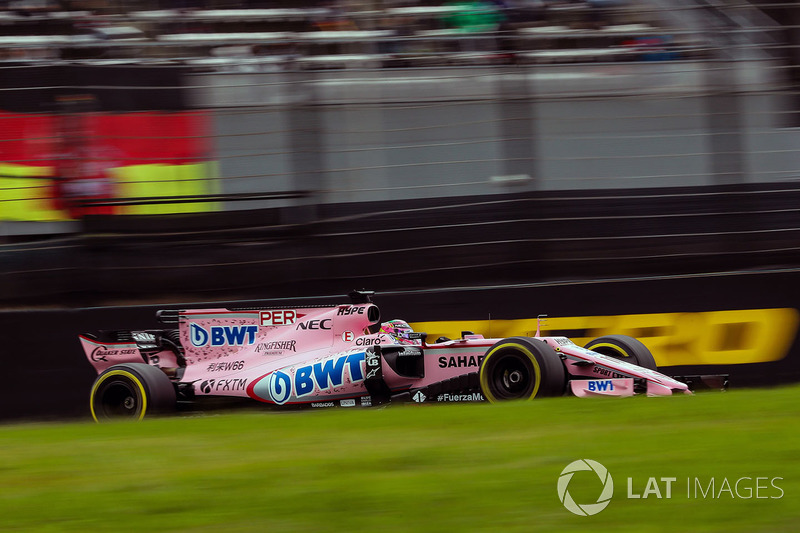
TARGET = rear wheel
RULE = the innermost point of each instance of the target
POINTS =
(131, 391)
(520, 368)
(624, 348)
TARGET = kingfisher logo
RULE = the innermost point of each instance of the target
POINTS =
(222, 335)
(587, 509)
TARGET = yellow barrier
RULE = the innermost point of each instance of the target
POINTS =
(708, 338)
(161, 181)
(24, 191)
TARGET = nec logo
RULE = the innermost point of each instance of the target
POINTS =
(315, 324)
(281, 317)
(222, 335)
(605, 385)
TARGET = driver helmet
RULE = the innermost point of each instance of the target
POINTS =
(398, 329)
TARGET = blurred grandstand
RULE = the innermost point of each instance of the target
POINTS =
(217, 149)
(226, 36)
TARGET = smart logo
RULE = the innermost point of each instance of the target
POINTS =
(587, 509)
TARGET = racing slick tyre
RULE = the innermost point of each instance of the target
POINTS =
(131, 391)
(624, 348)
(521, 368)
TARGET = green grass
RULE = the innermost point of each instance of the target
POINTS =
(409, 468)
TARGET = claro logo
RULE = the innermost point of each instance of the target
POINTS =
(708, 338)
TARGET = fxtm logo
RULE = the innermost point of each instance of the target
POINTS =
(222, 335)
(223, 385)
(587, 509)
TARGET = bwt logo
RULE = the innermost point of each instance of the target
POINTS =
(587, 509)
(604, 385)
(283, 385)
(327, 374)
(279, 387)
(222, 335)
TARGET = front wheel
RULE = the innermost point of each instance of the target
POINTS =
(131, 391)
(520, 368)
(625, 349)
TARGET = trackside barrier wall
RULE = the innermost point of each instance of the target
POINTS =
(752, 333)
(521, 237)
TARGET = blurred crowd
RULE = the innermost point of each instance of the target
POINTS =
(470, 11)
(122, 6)
(338, 33)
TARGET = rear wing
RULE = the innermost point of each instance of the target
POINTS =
(168, 316)
(357, 297)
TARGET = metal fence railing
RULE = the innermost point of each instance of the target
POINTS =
(404, 103)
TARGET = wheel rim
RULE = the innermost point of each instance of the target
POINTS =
(119, 399)
(511, 377)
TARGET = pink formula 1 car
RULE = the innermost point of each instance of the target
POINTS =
(344, 355)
